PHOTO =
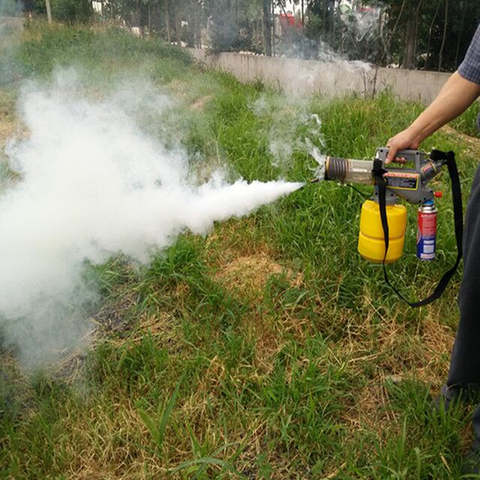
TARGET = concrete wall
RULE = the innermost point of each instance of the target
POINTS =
(11, 23)
(307, 76)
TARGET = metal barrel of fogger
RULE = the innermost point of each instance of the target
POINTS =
(346, 170)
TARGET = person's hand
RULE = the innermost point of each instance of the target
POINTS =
(402, 141)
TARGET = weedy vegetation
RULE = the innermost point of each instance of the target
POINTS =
(268, 349)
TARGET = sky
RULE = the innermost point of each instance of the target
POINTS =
(289, 6)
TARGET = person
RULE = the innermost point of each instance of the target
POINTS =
(460, 91)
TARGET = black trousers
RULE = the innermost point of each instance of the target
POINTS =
(465, 363)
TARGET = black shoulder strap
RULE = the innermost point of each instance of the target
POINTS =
(449, 158)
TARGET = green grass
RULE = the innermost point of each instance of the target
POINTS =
(467, 123)
(267, 349)
(45, 49)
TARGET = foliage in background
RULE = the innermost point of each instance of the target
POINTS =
(66, 11)
(432, 35)
(424, 34)
(82, 45)
(415, 34)
(72, 11)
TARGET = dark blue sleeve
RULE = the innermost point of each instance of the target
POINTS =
(470, 67)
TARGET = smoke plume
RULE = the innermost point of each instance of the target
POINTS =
(92, 184)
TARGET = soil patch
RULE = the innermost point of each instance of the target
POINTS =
(249, 273)
(200, 104)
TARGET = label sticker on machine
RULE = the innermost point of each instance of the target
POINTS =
(406, 181)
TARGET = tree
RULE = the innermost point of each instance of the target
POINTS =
(72, 11)
(403, 32)
(409, 53)
(49, 11)
(423, 26)
(267, 25)
(232, 23)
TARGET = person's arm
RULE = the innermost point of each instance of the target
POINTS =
(460, 91)
(454, 98)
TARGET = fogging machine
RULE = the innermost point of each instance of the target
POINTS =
(383, 221)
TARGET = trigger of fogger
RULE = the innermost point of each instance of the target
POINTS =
(411, 184)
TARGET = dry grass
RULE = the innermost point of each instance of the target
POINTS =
(472, 144)
(244, 269)
(392, 353)
(200, 103)
(110, 444)
(249, 275)
(372, 410)
(436, 342)
(8, 121)
(235, 239)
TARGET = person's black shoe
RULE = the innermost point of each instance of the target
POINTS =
(471, 461)
(449, 396)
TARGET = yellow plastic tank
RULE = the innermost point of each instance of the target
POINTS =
(371, 240)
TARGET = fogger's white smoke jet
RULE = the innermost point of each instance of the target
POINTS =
(92, 185)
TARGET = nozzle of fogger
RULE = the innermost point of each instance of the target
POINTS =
(346, 170)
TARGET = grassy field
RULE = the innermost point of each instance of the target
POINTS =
(267, 349)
